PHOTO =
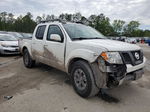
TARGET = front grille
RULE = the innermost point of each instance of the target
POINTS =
(9, 51)
(132, 57)
(126, 58)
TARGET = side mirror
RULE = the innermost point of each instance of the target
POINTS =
(55, 37)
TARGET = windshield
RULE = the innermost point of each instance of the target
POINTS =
(7, 38)
(79, 31)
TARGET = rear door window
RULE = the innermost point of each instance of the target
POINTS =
(40, 32)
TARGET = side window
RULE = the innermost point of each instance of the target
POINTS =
(54, 29)
(40, 32)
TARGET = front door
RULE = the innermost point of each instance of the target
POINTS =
(54, 50)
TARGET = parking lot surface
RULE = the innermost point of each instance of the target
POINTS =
(45, 89)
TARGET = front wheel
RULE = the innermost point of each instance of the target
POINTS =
(83, 80)
(28, 62)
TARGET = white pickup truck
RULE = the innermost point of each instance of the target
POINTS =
(92, 61)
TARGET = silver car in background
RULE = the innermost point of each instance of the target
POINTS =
(26, 35)
(8, 44)
(16, 35)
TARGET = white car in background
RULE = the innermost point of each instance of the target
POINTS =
(16, 35)
(26, 35)
(8, 44)
(131, 40)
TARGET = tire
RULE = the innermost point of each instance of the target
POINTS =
(83, 80)
(28, 62)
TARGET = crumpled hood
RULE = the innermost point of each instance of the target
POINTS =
(110, 45)
(10, 43)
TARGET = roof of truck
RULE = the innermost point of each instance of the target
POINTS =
(59, 21)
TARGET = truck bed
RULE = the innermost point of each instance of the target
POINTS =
(23, 42)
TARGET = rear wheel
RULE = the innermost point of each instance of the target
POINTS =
(28, 62)
(83, 80)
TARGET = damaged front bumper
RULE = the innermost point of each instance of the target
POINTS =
(108, 75)
(118, 74)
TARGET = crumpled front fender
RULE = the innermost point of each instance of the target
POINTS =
(87, 55)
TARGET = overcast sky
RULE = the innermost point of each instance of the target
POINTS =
(115, 9)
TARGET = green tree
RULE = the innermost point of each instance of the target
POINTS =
(3, 16)
(146, 33)
(38, 19)
(130, 28)
(10, 21)
(62, 16)
(102, 24)
(68, 17)
(118, 27)
(92, 20)
(17, 26)
(27, 23)
(99, 22)
(77, 17)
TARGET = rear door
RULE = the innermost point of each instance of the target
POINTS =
(38, 43)
(54, 50)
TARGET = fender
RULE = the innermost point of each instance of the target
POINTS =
(28, 46)
(85, 54)
(91, 57)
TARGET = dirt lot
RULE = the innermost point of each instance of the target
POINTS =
(44, 89)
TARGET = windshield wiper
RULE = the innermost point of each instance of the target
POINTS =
(83, 38)
(96, 38)
(80, 38)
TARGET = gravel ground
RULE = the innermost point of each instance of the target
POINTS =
(44, 89)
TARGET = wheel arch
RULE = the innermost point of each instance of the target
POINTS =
(29, 50)
(99, 77)
(75, 60)
(94, 88)
(24, 48)
(79, 54)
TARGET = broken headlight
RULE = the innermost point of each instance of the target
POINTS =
(4, 45)
(101, 64)
(112, 57)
